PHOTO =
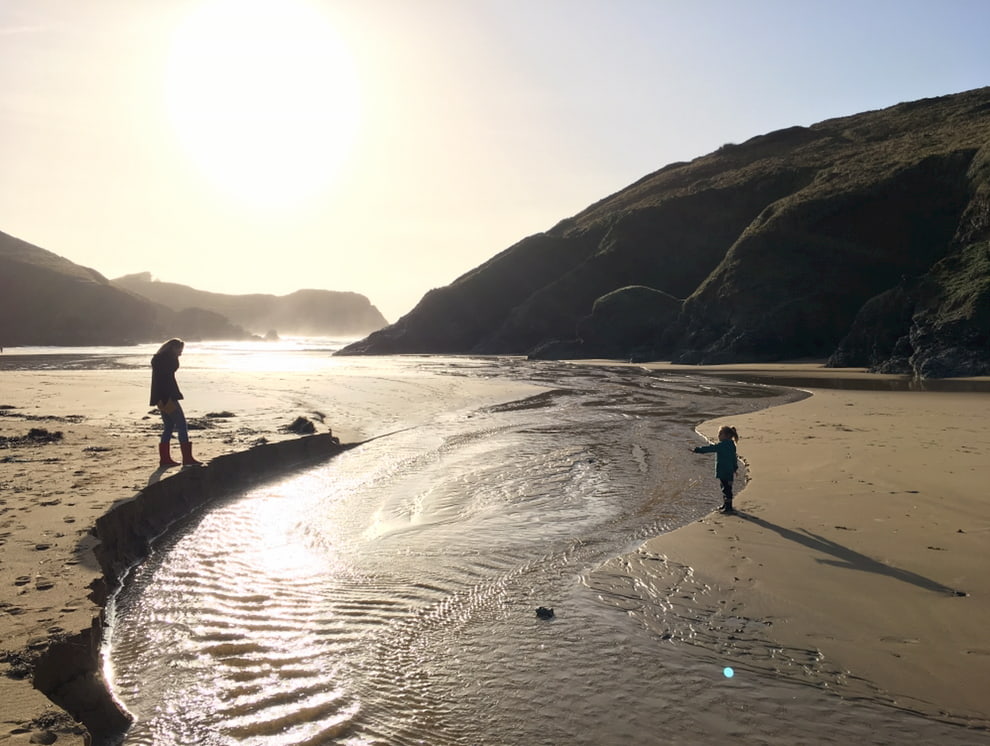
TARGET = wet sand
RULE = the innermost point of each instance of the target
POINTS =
(96, 447)
(865, 518)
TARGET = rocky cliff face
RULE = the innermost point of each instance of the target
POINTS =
(864, 238)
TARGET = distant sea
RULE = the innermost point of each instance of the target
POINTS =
(389, 595)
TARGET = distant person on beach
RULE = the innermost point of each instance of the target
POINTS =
(726, 464)
(165, 395)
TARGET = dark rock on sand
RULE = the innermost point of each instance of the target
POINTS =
(301, 426)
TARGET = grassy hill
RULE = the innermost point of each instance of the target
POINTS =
(864, 239)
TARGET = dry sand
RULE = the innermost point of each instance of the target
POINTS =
(864, 534)
(867, 511)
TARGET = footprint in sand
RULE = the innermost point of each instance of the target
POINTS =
(42, 583)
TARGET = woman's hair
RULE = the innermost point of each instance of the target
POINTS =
(174, 346)
(730, 431)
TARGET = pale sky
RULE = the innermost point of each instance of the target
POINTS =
(388, 146)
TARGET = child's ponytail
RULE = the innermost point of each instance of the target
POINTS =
(730, 431)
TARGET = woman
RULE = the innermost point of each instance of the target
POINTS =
(165, 395)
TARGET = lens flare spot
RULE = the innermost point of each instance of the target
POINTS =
(728, 672)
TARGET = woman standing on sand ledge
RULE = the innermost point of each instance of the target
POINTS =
(165, 395)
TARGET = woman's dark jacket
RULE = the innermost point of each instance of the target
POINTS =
(163, 385)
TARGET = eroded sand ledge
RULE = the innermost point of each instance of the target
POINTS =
(69, 671)
(54, 492)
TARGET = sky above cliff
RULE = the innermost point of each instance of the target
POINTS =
(387, 147)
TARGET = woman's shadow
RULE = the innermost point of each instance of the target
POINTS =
(162, 471)
(850, 559)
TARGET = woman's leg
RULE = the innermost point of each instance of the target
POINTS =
(164, 459)
(183, 432)
(168, 421)
(181, 426)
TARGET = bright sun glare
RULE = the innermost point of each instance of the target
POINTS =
(264, 96)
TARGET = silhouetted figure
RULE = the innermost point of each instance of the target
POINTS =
(165, 395)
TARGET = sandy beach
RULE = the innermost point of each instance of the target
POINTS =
(863, 533)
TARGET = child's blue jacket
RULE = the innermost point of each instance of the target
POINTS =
(725, 458)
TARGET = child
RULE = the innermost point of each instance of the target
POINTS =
(726, 465)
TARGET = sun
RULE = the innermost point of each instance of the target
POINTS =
(264, 96)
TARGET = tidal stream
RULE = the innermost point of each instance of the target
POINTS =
(388, 596)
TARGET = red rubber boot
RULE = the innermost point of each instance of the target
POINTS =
(187, 457)
(164, 457)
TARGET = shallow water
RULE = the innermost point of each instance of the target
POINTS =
(389, 595)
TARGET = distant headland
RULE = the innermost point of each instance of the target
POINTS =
(48, 300)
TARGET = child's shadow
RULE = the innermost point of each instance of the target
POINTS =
(848, 558)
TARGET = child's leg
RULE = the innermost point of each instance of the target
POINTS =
(726, 495)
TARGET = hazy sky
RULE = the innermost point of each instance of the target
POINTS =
(388, 146)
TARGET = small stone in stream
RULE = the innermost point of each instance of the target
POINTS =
(544, 613)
